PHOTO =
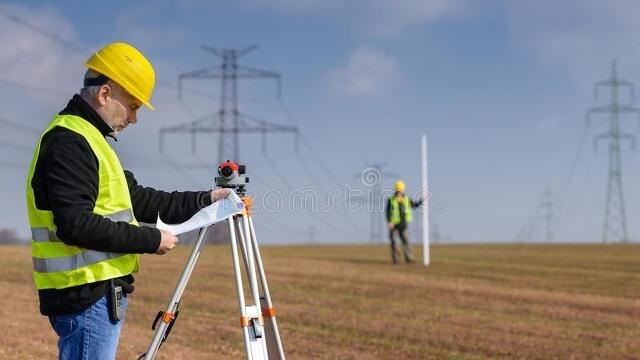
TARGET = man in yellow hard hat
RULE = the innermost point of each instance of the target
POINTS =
(399, 215)
(84, 208)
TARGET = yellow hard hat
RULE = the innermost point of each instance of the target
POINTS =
(400, 186)
(125, 65)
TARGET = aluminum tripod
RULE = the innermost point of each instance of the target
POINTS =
(261, 340)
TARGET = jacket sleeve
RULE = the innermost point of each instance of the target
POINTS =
(174, 207)
(71, 182)
(388, 210)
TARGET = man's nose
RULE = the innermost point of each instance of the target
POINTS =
(133, 117)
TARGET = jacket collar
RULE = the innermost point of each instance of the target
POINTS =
(78, 107)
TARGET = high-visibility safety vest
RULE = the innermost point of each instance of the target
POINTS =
(395, 209)
(57, 265)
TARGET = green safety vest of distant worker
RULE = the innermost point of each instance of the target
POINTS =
(57, 265)
(394, 210)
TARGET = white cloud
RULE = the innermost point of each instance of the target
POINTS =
(31, 57)
(50, 72)
(138, 25)
(578, 37)
(549, 124)
(380, 18)
(368, 72)
(390, 18)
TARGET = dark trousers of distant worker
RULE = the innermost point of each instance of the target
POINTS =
(403, 234)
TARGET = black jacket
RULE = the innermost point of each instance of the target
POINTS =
(65, 181)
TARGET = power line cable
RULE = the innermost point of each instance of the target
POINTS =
(289, 186)
(13, 165)
(43, 89)
(625, 54)
(19, 147)
(19, 20)
(572, 170)
(327, 172)
(81, 50)
(278, 173)
(274, 219)
(576, 158)
(19, 126)
(345, 217)
(581, 190)
(307, 143)
(179, 169)
(75, 48)
(189, 90)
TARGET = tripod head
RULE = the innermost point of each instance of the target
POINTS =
(232, 177)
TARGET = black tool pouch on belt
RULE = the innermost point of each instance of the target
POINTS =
(116, 293)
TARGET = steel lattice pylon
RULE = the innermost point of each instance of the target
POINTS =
(228, 122)
(615, 219)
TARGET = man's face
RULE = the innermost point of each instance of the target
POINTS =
(119, 109)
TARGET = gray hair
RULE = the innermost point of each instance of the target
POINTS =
(93, 90)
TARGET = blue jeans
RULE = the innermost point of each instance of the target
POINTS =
(89, 334)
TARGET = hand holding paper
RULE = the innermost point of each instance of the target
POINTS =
(209, 215)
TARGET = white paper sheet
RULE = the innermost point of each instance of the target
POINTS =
(209, 215)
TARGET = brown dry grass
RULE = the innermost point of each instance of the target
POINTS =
(348, 302)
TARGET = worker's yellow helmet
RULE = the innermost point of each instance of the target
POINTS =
(125, 65)
(400, 186)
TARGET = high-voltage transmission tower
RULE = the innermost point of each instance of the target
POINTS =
(528, 231)
(372, 178)
(547, 206)
(615, 219)
(228, 122)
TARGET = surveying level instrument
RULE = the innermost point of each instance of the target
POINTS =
(258, 316)
(232, 177)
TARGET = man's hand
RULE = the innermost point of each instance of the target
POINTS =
(167, 242)
(219, 194)
(390, 225)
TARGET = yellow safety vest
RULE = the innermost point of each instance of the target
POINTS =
(395, 209)
(57, 265)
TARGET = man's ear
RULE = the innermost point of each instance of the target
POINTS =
(103, 93)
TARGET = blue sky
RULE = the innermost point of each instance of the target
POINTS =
(501, 88)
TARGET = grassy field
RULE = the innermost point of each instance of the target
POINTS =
(349, 302)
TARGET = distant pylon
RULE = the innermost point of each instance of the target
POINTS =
(615, 219)
(547, 205)
(372, 177)
(229, 122)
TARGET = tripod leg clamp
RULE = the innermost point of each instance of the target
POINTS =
(269, 312)
(256, 322)
(247, 320)
(167, 318)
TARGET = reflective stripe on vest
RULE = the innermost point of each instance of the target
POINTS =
(44, 234)
(66, 263)
(395, 210)
(58, 265)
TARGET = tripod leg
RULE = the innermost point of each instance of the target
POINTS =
(244, 240)
(275, 349)
(244, 321)
(241, 241)
(169, 314)
(251, 270)
(253, 282)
